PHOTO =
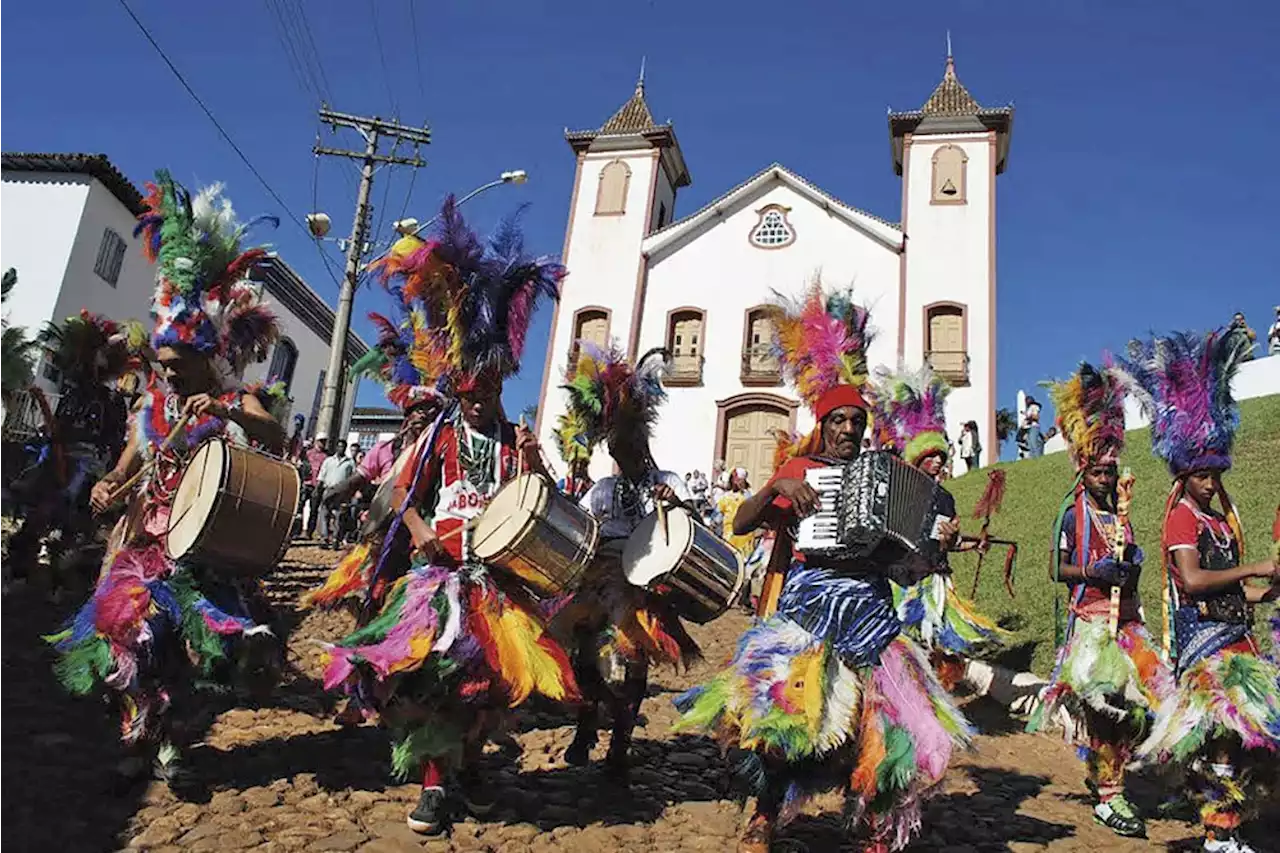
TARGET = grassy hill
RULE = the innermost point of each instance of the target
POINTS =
(1034, 491)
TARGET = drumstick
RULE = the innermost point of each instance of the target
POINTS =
(142, 471)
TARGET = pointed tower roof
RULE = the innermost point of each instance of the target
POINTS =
(951, 109)
(632, 126)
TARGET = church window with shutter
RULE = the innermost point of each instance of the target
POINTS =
(772, 231)
(611, 196)
(685, 342)
(590, 325)
(947, 341)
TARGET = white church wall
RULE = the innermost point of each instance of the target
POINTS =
(1257, 378)
(949, 259)
(721, 273)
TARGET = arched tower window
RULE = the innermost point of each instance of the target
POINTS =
(590, 325)
(950, 165)
(946, 341)
(283, 361)
(685, 332)
(611, 195)
(772, 231)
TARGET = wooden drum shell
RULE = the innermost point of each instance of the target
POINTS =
(243, 528)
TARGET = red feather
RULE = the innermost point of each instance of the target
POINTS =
(992, 497)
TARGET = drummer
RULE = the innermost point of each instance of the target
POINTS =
(153, 624)
(450, 651)
(826, 693)
(617, 629)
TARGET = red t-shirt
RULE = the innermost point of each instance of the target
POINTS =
(1183, 531)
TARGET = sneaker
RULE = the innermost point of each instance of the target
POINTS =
(1230, 844)
(430, 816)
(477, 794)
(1117, 814)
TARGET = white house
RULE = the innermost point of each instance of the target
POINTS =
(67, 228)
(696, 285)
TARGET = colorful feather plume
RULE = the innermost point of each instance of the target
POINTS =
(204, 298)
(821, 341)
(89, 349)
(475, 298)
(609, 397)
(1183, 383)
(1090, 413)
(909, 413)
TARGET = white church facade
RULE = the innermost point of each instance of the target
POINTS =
(697, 285)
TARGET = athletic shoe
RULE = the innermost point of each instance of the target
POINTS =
(477, 795)
(1117, 815)
(1230, 844)
(430, 816)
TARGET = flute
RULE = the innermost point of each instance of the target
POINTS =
(1124, 497)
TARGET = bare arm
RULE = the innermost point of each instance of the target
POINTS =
(126, 466)
(1198, 581)
(348, 487)
(258, 423)
(753, 513)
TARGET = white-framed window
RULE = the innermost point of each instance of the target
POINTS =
(368, 440)
(110, 257)
(773, 231)
(283, 361)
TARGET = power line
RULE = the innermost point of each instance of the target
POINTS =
(315, 205)
(290, 54)
(417, 63)
(221, 131)
(382, 56)
(304, 26)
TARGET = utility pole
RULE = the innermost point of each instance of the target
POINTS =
(372, 129)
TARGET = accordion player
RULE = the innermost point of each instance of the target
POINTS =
(878, 510)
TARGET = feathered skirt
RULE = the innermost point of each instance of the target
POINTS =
(149, 623)
(1230, 693)
(936, 616)
(829, 689)
(349, 581)
(1121, 677)
(611, 625)
(447, 649)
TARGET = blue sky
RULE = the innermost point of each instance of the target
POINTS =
(1140, 191)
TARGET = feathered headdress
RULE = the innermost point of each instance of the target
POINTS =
(476, 298)
(1183, 383)
(410, 359)
(204, 298)
(909, 413)
(1089, 408)
(821, 343)
(608, 397)
(89, 349)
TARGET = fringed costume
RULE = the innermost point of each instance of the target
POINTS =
(152, 624)
(1223, 721)
(827, 692)
(1107, 675)
(452, 646)
(616, 630)
(910, 421)
(86, 433)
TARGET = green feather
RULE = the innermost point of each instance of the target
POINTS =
(438, 739)
(899, 765)
(85, 665)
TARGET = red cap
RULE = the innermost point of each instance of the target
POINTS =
(841, 395)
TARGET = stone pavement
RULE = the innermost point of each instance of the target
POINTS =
(282, 777)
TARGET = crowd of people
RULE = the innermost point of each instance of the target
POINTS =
(843, 681)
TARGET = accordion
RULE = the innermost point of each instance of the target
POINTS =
(877, 509)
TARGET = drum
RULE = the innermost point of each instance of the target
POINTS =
(536, 536)
(233, 509)
(696, 572)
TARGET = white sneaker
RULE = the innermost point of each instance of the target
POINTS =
(1227, 845)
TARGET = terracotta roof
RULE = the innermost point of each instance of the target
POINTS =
(633, 116)
(93, 165)
(951, 98)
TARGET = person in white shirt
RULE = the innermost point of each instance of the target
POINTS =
(334, 471)
(615, 629)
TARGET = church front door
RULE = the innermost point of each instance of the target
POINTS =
(750, 442)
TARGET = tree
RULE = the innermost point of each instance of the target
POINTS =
(1006, 424)
(18, 360)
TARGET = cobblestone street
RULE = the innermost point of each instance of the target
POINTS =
(281, 776)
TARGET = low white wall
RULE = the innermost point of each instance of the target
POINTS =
(1257, 378)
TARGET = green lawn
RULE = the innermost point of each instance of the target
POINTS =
(1034, 491)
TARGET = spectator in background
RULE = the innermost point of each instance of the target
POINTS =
(334, 471)
(1273, 335)
(698, 489)
(970, 446)
(314, 458)
(1238, 322)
